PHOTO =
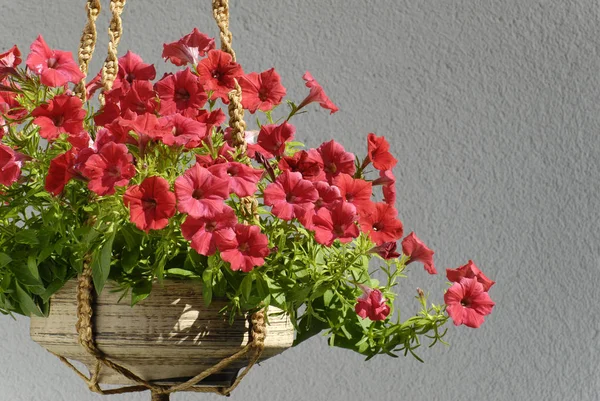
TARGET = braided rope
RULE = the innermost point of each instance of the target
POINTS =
(221, 15)
(87, 45)
(110, 68)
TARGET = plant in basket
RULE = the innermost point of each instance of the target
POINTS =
(165, 181)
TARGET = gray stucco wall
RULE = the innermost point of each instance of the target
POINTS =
(492, 108)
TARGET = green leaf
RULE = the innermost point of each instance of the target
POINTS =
(27, 237)
(129, 259)
(182, 273)
(140, 291)
(33, 267)
(101, 264)
(246, 286)
(327, 296)
(4, 259)
(28, 305)
(51, 289)
(207, 278)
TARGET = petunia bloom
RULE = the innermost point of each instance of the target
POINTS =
(413, 247)
(380, 223)
(9, 60)
(200, 193)
(10, 167)
(251, 248)
(242, 178)
(188, 49)
(151, 204)
(62, 114)
(60, 172)
(308, 163)
(336, 160)
(387, 250)
(387, 180)
(179, 92)
(469, 270)
(111, 166)
(339, 222)
(372, 305)
(317, 94)
(467, 303)
(261, 91)
(55, 67)
(273, 138)
(354, 190)
(218, 73)
(131, 68)
(290, 196)
(379, 153)
(184, 131)
(207, 234)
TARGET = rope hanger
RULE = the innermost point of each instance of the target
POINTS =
(85, 288)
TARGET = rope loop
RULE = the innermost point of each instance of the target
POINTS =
(221, 15)
(87, 45)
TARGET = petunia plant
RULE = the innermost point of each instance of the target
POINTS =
(152, 185)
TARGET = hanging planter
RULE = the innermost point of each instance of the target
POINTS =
(166, 250)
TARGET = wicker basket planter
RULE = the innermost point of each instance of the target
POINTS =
(169, 337)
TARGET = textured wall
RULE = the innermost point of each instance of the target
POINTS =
(492, 109)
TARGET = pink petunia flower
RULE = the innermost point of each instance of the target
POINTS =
(379, 153)
(179, 92)
(380, 223)
(188, 49)
(10, 167)
(372, 304)
(242, 178)
(207, 234)
(111, 166)
(317, 94)
(131, 68)
(184, 131)
(60, 172)
(151, 204)
(290, 196)
(250, 249)
(308, 163)
(261, 91)
(139, 97)
(413, 247)
(336, 160)
(272, 138)
(55, 67)
(339, 222)
(387, 180)
(62, 114)
(469, 270)
(9, 60)
(200, 193)
(354, 190)
(468, 303)
(218, 73)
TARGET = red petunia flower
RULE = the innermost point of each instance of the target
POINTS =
(261, 91)
(211, 118)
(218, 73)
(131, 68)
(470, 270)
(111, 166)
(336, 160)
(151, 204)
(60, 172)
(10, 167)
(179, 92)
(183, 131)
(272, 138)
(339, 222)
(138, 97)
(55, 67)
(379, 153)
(242, 178)
(380, 223)
(63, 113)
(387, 250)
(308, 163)
(207, 234)
(329, 195)
(317, 94)
(250, 250)
(388, 186)
(372, 305)
(413, 247)
(10, 106)
(290, 196)
(188, 49)
(356, 191)
(9, 61)
(224, 155)
(467, 303)
(200, 193)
